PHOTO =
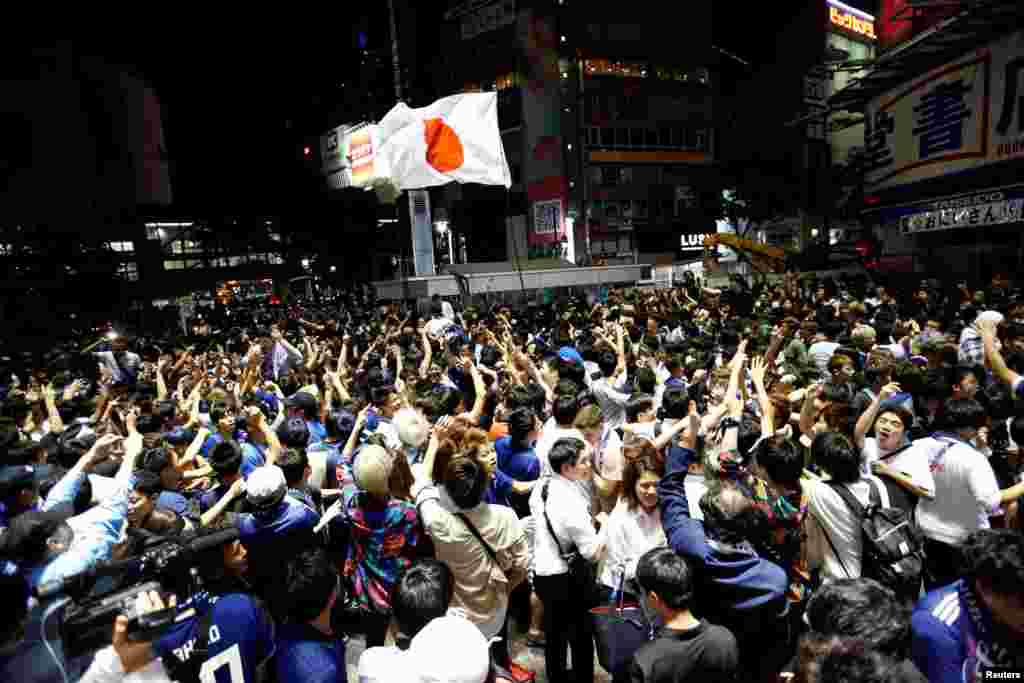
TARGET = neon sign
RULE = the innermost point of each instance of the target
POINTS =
(851, 19)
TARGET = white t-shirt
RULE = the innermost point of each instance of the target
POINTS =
(438, 325)
(384, 664)
(911, 462)
(966, 491)
(608, 460)
(832, 516)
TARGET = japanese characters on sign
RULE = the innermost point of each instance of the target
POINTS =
(961, 115)
(997, 206)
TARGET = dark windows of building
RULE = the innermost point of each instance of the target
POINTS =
(128, 270)
(636, 137)
(607, 137)
(622, 137)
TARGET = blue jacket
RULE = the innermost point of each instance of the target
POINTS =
(738, 582)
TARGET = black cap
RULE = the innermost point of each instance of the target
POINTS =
(305, 401)
(294, 433)
(179, 436)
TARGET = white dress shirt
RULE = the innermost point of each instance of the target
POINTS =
(569, 512)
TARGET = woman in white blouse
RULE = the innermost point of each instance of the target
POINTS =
(634, 527)
(558, 505)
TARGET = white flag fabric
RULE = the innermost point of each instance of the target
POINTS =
(453, 139)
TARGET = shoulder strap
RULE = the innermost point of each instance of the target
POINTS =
(835, 551)
(848, 498)
(473, 530)
(551, 530)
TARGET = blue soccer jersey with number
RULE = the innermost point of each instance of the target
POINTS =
(240, 640)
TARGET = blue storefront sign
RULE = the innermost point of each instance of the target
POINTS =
(976, 210)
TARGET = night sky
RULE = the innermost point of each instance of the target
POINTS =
(238, 106)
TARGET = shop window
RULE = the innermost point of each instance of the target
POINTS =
(607, 137)
(650, 138)
(636, 137)
(622, 137)
(664, 137)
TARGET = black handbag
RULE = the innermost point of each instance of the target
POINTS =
(581, 570)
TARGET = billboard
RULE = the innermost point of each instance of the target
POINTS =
(976, 210)
(898, 21)
(851, 21)
(347, 155)
(962, 115)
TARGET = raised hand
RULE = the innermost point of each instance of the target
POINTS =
(889, 390)
(758, 368)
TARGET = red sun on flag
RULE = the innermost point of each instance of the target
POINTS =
(444, 148)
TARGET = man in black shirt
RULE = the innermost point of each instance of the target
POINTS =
(685, 648)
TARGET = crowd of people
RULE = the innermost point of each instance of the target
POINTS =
(816, 481)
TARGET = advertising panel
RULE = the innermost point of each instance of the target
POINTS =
(893, 24)
(347, 154)
(961, 115)
(547, 217)
(851, 21)
(977, 210)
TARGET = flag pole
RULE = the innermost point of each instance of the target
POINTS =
(404, 260)
(515, 240)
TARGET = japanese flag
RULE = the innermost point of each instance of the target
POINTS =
(455, 138)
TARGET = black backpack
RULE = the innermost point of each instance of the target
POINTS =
(892, 547)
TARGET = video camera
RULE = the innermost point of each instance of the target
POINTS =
(89, 618)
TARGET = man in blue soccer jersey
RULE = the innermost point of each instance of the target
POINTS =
(308, 648)
(976, 624)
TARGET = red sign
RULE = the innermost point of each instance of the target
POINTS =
(898, 22)
(893, 23)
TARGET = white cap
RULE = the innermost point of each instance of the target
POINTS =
(450, 649)
(266, 486)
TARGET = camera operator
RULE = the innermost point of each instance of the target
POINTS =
(222, 626)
